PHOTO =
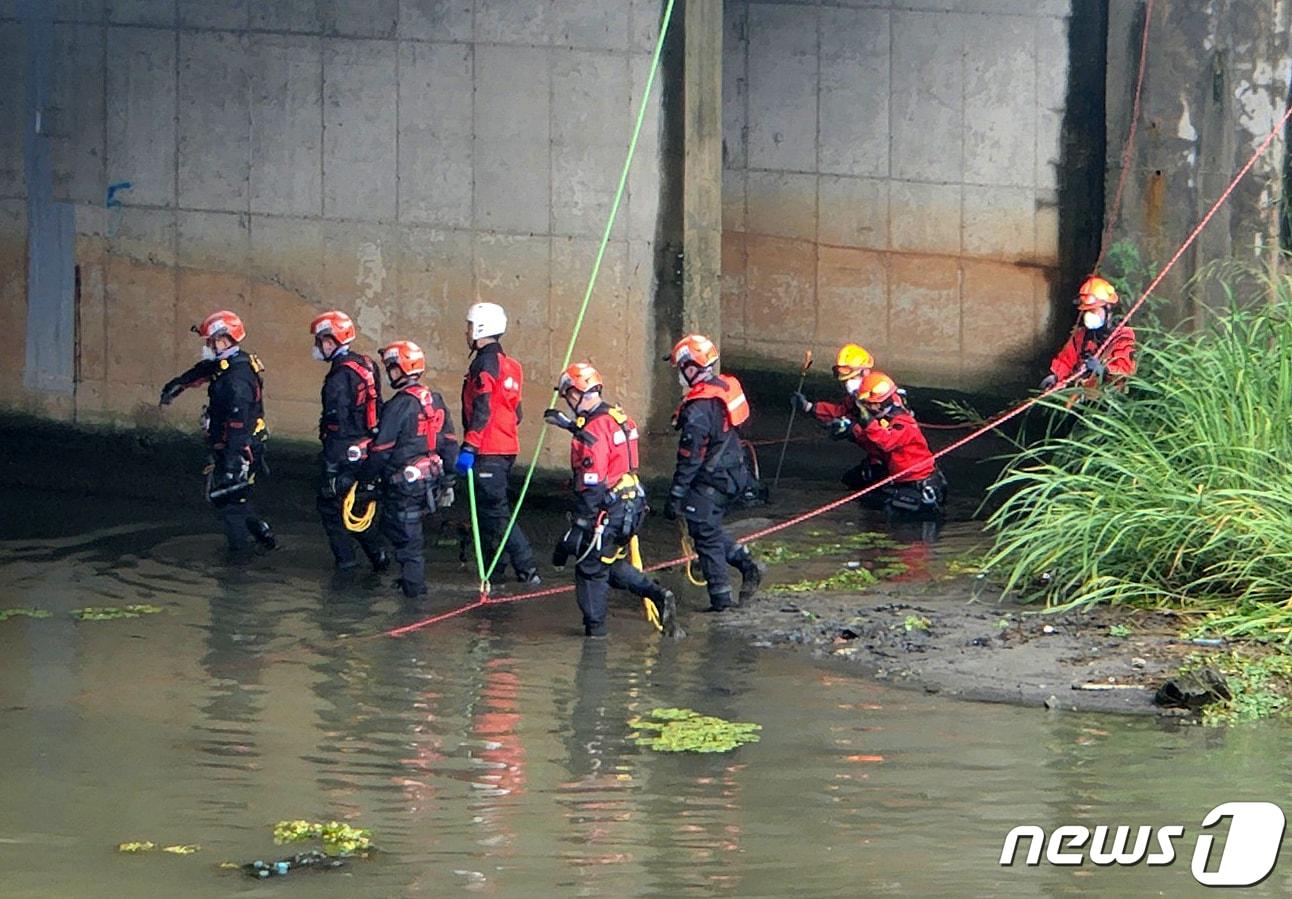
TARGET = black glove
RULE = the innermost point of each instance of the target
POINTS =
(174, 387)
(801, 402)
(559, 555)
(673, 508)
(839, 428)
(1049, 381)
(1095, 366)
(558, 419)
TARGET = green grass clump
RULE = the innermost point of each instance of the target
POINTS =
(776, 552)
(851, 579)
(338, 838)
(1259, 686)
(110, 613)
(6, 614)
(685, 730)
(1176, 494)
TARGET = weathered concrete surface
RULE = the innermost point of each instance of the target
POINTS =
(400, 159)
(702, 169)
(1217, 80)
(884, 162)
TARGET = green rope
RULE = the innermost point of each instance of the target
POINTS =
(475, 527)
(587, 294)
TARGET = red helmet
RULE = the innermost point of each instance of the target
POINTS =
(222, 322)
(695, 349)
(877, 388)
(335, 324)
(1095, 293)
(406, 356)
(580, 376)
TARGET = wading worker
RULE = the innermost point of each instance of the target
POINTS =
(351, 409)
(1095, 323)
(711, 468)
(491, 416)
(919, 488)
(234, 424)
(406, 461)
(609, 502)
(851, 364)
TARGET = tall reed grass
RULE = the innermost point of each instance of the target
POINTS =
(1175, 494)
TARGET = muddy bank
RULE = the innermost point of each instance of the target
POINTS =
(934, 628)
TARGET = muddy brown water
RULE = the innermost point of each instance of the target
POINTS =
(491, 753)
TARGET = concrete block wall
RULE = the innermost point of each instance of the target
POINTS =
(891, 177)
(399, 159)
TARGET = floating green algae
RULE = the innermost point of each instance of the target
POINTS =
(686, 730)
(136, 846)
(827, 544)
(338, 838)
(916, 623)
(852, 579)
(23, 612)
(110, 613)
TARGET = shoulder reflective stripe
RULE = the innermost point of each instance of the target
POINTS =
(632, 435)
(591, 477)
(620, 438)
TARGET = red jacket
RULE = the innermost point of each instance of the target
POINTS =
(603, 449)
(491, 410)
(1119, 356)
(902, 445)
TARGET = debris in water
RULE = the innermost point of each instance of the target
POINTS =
(686, 730)
(312, 859)
(338, 838)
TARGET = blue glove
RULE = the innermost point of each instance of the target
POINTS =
(839, 428)
(1095, 366)
(466, 460)
(1049, 381)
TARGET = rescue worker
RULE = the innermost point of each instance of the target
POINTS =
(491, 416)
(1095, 300)
(407, 461)
(234, 424)
(351, 409)
(610, 503)
(851, 364)
(884, 422)
(711, 467)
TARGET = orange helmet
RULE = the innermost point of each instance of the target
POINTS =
(580, 376)
(877, 388)
(1095, 293)
(695, 349)
(851, 361)
(222, 322)
(335, 324)
(404, 355)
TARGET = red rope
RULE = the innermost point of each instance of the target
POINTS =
(990, 425)
(1129, 147)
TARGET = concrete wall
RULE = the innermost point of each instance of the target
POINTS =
(892, 177)
(400, 159)
(1216, 82)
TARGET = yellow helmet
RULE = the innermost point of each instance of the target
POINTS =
(852, 361)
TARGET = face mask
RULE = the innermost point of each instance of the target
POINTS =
(852, 385)
(1094, 319)
(318, 354)
(208, 354)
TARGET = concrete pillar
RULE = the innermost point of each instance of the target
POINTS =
(702, 176)
(1215, 83)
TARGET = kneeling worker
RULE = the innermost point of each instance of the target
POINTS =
(234, 423)
(711, 469)
(852, 363)
(884, 422)
(414, 444)
(610, 503)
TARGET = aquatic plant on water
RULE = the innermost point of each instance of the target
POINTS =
(850, 579)
(1175, 495)
(823, 543)
(1258, 685)
(338, 838)
(686, 730)
(111, 613)
(23, 612)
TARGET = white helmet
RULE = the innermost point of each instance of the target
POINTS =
(486, 320)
